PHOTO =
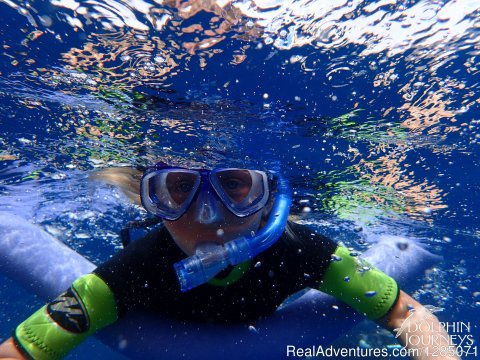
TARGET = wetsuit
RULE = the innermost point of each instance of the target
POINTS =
(142, 277)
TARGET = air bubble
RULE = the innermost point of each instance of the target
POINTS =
(252, 329)
(46, 20)
(122, 344)
(370, 293)
(335, 258)
(363, 344)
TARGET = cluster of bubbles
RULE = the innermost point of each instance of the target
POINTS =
(113, 48)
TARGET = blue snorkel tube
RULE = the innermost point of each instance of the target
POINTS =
(204, 265)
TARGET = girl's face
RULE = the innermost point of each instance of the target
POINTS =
(189, 230)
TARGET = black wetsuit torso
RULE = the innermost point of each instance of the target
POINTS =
(142, 277)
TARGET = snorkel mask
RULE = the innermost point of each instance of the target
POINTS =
(168, 192)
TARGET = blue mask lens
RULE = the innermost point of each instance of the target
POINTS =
(242, 191)
(168, 193)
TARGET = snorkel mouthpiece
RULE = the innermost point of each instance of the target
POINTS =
(201, 267)
(211, 258)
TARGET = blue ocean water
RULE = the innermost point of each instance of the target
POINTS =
(369, 108)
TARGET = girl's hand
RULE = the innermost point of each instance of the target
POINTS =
(8, 351)
(409, 318)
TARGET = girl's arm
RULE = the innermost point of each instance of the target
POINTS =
(409, 318)
(58, 327)
(377, 296)
(8, 351)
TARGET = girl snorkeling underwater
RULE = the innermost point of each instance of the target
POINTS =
(226, 220)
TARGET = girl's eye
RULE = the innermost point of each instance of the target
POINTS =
(184, 187)
(231, 184)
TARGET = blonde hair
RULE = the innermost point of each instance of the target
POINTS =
(126, 179)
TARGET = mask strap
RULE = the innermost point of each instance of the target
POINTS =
(137, 229)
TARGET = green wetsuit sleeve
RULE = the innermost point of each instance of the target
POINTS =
(359, 284)
(58, 327)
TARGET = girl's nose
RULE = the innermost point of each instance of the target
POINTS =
(208, 209)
